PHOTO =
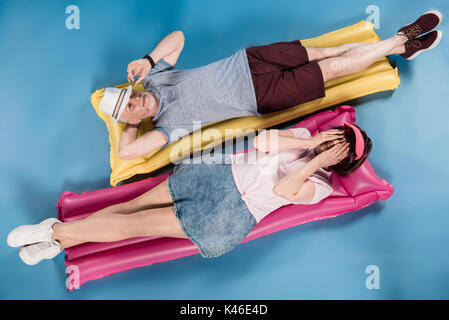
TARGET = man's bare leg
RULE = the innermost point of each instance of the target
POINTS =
(360, 57)
(320, 53)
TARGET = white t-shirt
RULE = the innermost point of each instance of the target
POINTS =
(258, 172)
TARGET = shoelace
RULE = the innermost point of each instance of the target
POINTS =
(43, 246)
(413, 43)
(37, 233)
(412, 32)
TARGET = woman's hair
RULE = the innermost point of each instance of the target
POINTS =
(348, 165)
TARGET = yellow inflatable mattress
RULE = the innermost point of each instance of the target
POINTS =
(378, 77)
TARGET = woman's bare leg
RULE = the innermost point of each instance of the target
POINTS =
(360, 57)
(154, 198)
(109, 227)
(64, 244)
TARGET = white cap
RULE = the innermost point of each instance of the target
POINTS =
(114, 101)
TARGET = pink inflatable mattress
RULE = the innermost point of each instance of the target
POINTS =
(91, 261)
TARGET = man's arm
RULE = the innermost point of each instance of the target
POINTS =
(169, 49)
(130, 147)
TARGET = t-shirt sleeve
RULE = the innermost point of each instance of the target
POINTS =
(323, 188)
(160, 66)
(166, 134)
(172, 135)
(300, 133)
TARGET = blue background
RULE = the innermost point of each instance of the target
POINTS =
(53, 141)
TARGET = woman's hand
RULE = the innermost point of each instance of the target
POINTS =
(140, 68)
(333, 155)
(328, 135)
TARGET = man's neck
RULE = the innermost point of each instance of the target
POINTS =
(155, 106)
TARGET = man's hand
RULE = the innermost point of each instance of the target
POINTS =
(140, 68)
(333, 155)
(169, 49)
(328, 135)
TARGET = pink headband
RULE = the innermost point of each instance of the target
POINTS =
(359, 141)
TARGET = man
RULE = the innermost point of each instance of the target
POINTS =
(253, 81)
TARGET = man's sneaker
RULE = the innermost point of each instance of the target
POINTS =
(29, 234)
(425, 23)
(414, 47)
(35, 253)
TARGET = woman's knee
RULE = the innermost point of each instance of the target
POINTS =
(154, 222)
(157, 196)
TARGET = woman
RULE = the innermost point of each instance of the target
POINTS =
(213, 205)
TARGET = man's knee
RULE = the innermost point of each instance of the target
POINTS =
(330, 68)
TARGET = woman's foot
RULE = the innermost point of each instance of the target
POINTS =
(29, 234)
(425, 23)
(413, 48)
(35, 253)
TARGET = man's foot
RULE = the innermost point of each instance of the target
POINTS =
(35, 253)
(415, 47)
(29, 234)
(425, 23)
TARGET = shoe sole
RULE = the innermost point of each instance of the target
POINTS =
(436, 42)
(26, 260)
(438, 14)
(9, 240)
(30, 261)
(18, 229)
(435, 12)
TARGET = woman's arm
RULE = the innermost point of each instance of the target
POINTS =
(274, 140)
(169, 49)
(277, 140)
(296, 188)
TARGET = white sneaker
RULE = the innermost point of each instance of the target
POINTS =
(35, 253)
(29, 234)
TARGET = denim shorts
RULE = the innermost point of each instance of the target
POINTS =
(209, 207)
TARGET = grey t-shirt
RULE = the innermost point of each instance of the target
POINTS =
(215, 92)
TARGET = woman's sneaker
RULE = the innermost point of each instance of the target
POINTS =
(425, 23)
(29, 234)
(35, 253)
(415, 47)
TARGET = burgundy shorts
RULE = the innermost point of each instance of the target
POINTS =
(283, 77)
